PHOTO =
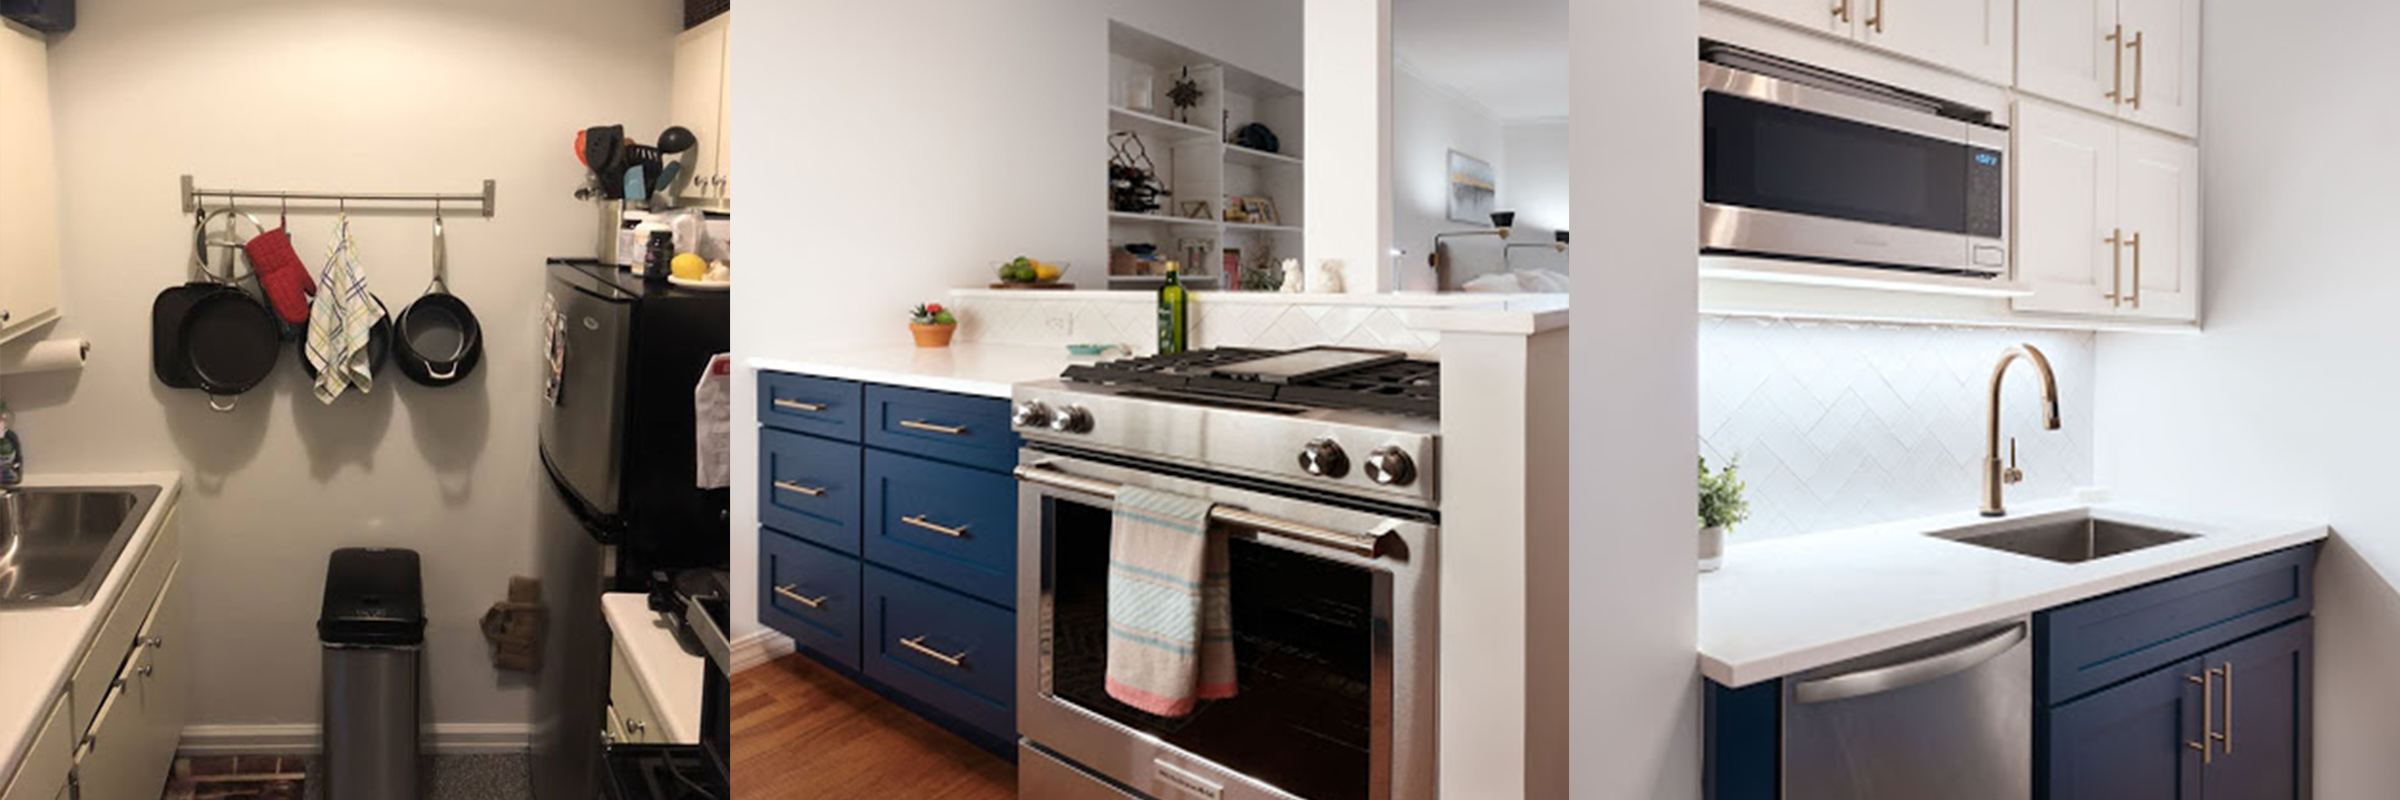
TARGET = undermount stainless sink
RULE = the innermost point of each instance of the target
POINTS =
(58, 543)
(2068, 540)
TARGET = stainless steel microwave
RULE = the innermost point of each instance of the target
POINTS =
(1804, 164)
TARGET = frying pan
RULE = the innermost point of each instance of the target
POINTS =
(229, 340)
(437, 339)
(379, 344)
(173, 304)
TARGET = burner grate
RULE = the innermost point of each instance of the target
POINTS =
(1400, 387)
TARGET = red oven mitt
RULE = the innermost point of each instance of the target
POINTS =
(282, 275)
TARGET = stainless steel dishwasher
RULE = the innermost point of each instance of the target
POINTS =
(1949, 717)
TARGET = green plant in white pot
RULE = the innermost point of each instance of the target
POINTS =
(1721, 508)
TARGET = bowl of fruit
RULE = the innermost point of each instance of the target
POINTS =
(1027, 273)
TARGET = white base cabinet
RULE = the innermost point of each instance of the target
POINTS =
(29, 272)
(1975, 37)
(2107, 216)
(2136, 60)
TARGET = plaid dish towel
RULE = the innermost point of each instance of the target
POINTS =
(1170, 611)
(342, 321)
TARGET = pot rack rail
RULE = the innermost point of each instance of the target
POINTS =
(488, 199)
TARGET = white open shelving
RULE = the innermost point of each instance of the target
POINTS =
(1199, 164)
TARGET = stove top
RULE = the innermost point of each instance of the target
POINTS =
(1383, 384)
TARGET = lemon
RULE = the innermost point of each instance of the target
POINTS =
(688, 266)
(1045, 271)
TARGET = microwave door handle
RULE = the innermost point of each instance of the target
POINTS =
(1368, 545)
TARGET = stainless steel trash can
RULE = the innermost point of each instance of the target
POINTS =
(373, 628)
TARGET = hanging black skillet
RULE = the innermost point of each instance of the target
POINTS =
(230, 340)
(437, 341)
(173, 304)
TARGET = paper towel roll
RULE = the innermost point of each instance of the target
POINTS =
(48, 356)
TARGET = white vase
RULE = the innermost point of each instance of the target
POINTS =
(1712, 548)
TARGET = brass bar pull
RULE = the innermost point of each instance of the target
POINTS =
(918, 644)
(1841, 10)
(2116, 267)
(2116, 43)
(920, 522)
(2135, 242)
(791, 593)
(921, 425)
(2208, 714)
(2135, 99)
(1875, 20)
(795, 488)
(2227, 738)
(796, 405)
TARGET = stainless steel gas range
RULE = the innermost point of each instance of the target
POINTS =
(1322, 463)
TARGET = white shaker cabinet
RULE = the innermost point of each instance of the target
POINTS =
(1975, 37)
(2108, 218)
(702, 101)
(2137, 60)
(29, 271)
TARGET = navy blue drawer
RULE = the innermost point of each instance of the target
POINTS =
(810, 488)
(967, 430)
(2099, 642)
(980, 687)
(822, 406)
(948, 524)
(810, 594)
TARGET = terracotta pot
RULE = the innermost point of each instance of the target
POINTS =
(1712, 549)
(933, 335)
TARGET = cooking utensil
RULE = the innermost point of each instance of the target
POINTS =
(637, 184)
(666, 177)
(167, 312)
(229, 340)
(604, 153)
(581, 156)
(437, 338)
(676, 139)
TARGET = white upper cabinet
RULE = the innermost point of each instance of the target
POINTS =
(1969, 36)
(29, 271)
(2137, 60)
(2108, 218)
(702, 102)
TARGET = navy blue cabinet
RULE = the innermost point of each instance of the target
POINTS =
(2129, 742)
(887, 543)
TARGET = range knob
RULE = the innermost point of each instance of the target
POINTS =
(1071, 419)
(1031, 414)
(1324, 458)
(1391, 466)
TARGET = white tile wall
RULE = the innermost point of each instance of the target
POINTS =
(1134, 321)
(1844, 424)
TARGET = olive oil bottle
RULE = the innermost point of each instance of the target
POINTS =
(1174, 313)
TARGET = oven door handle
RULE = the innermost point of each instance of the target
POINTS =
(1369, 545)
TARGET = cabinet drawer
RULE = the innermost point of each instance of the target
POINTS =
(42, 774)
(634, 718)
(810, 594)
(957, 428)
(806, 404)
(966, 666)
(809, 487)
(2104, 640)
(950, 525)
(109, 649)
(131, 744)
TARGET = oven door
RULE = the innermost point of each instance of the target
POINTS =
(1334, 622)
(1798, 171)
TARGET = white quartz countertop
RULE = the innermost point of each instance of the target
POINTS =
(40, 646)
(963, 368)
(668, 675)
(1789, 605)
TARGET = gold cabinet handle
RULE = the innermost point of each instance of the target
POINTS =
(2116, 44)
(793, 594)
(2135, 99)
(2227, 737)
(1841, 10)
(1875, 20)
(796, 405)
(921, 425)
(795, 488)
(920, 521)
(918, 644)
(2135, 242)
(2208, 714)
(2116, 267)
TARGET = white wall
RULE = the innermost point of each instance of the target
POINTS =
(903, 171)
(342, 94)
(1533, 182)
(1635, 697)
(1428, 121)
(2284, 405)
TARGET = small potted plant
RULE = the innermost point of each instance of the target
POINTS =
(932, 325)
(1721, 508)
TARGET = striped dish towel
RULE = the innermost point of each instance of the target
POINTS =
(342, 321)
(1170, 612)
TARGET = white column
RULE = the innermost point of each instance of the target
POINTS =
(1348, 100)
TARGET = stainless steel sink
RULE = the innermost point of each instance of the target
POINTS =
(58, 543)
(2070, 540)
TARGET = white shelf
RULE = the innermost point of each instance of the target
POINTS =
(1263, 228)
(1159, 219)
(1238, 154)
(1156, 129)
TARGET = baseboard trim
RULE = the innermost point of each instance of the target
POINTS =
(759, 647)
(440, 739)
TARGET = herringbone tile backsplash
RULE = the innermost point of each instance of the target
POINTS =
(1839, 425)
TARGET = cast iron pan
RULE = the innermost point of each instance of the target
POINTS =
(379, 344)
(231, 343)
(437, 338)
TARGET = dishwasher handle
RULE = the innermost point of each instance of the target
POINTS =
(1898, 676)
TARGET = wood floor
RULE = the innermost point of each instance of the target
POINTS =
(801, 731)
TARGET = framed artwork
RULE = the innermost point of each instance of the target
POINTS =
(1473, 189)
(1237, 208)
(1261, 210)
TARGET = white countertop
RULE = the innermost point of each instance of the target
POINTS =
(1793, 604)
(963, 368)
(42, 644)
(670, 676)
